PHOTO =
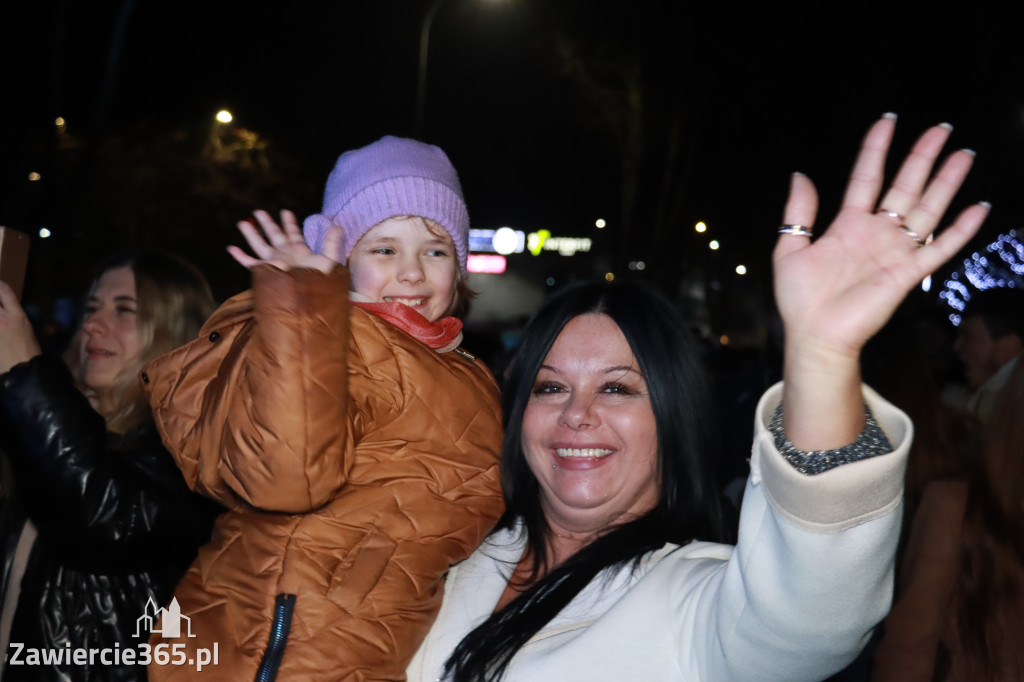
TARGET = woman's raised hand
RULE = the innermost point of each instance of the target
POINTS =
(17, 340)
(283, 248)
(841, 288)
(835, 292)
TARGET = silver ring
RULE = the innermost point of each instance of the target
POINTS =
(796, 230)
(913, 235)
(890, 214)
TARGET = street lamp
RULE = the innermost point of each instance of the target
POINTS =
(421, 81)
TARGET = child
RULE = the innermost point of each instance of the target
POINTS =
(354, 443)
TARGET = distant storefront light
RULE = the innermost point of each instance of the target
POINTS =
(507, 241)
(542, 240)
(504, 240)
(486, 263)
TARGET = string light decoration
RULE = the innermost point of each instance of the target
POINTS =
(1001, 264)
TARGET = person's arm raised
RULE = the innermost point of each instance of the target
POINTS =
(289, 413)
(834, 293)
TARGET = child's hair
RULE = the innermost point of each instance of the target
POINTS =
(389, 178)
(173, 300)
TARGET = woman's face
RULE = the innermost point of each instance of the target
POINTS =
(110, 335)
(588, 431)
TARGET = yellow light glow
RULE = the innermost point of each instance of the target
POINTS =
(741, 269)
(224, 116)
(33, 176)
(724, 339)
(609, 276)
(59, 121)
(714, 245)
(700, 227)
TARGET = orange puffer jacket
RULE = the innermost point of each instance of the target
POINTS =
(357, 464)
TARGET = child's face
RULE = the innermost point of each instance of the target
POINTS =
(402, 260)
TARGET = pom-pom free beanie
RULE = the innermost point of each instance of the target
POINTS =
(391, 177)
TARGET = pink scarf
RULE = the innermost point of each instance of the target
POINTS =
(443, 336)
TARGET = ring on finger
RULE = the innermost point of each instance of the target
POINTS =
(796, 230)
(890, 214)
(914, 235)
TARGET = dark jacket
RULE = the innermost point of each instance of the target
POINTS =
(117, 524)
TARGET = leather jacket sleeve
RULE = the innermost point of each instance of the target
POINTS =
(102, 498)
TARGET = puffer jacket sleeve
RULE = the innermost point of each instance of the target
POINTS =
(103, 499)
(255, 410)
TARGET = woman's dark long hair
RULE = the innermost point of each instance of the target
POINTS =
(689, 502)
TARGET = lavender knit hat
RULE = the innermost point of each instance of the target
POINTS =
(393, 176)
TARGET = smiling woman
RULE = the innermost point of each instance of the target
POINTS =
(592, 439)
(109, 341)
(97, 520)
(610, 561)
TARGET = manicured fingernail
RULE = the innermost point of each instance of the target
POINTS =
(947, 126)
(890, 114)
(970, 151)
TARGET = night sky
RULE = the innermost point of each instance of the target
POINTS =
(535, 102)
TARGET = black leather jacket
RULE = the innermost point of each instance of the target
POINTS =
(117, 524)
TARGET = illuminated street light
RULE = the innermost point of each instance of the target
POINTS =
(33, 176)
(741, 269)
(224, 116)
(713, 245)
(609, 276)
(44, 233)
(701, 227)
(599, 223)
(59, 122)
